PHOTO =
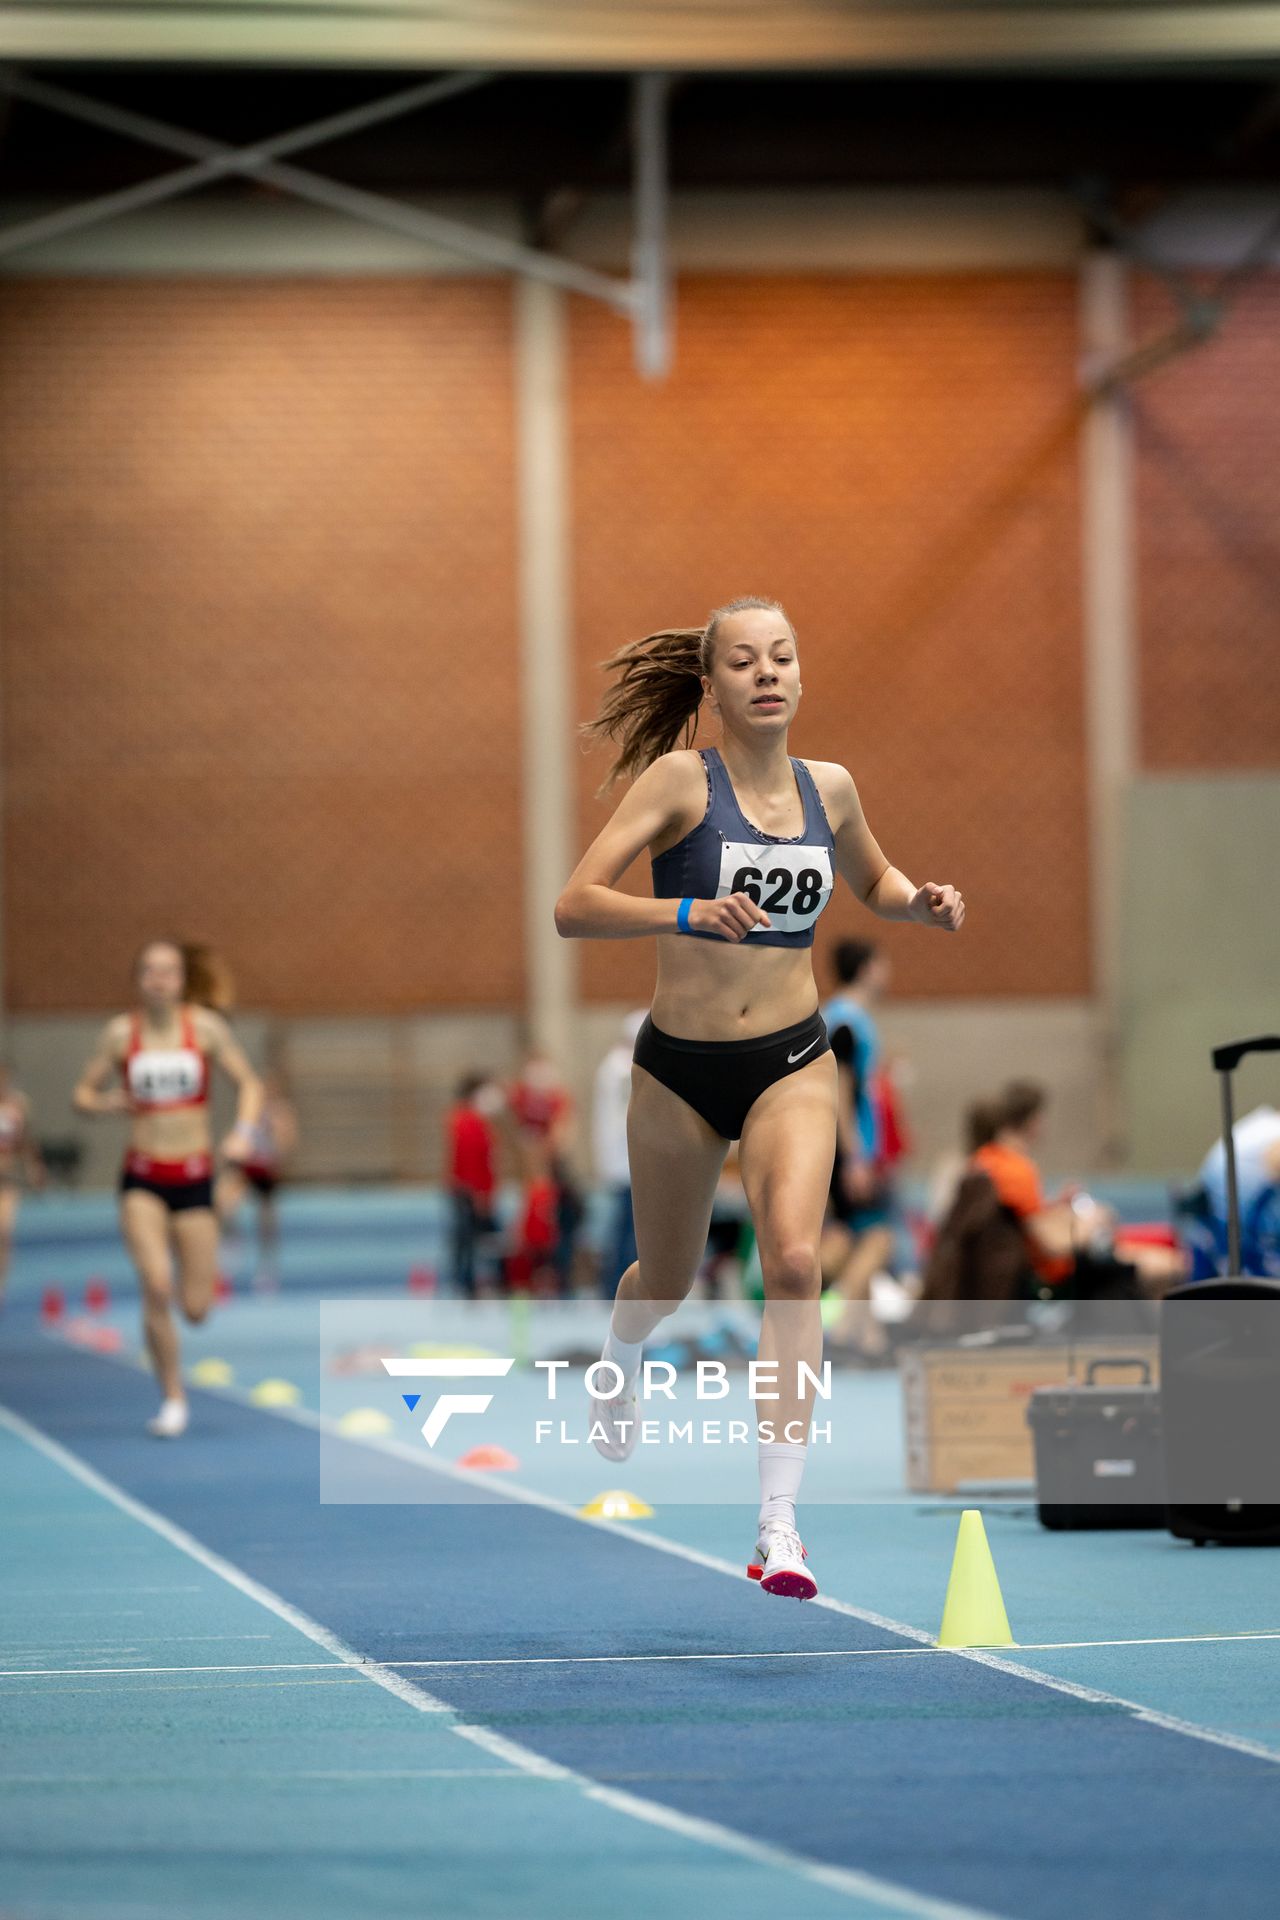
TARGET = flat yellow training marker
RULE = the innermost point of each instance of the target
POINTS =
(275, 1393)
(616, 1506)
(974, 1614)
(211, 1373)
(364, 1420)
(432, 1350)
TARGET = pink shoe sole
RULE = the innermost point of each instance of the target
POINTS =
(790, 1586)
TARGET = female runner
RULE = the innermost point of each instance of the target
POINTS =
(18, 1154)
(163, 1053)
(745, 844)
(273, 1139)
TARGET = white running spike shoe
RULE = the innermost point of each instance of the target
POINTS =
(779, 1563)
(614, 1424)
(170, 1421)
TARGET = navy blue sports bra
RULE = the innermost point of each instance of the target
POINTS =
(791, 879)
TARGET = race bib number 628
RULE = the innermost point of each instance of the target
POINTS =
(792, 883)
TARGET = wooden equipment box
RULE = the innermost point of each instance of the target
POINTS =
(966, 1407)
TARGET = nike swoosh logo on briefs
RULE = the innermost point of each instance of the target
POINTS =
(793, 1057)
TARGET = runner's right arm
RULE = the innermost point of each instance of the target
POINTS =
(592, 908)
(91, 1095)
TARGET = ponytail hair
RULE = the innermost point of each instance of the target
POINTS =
(207, 980)
(652, 706)
(210, 982)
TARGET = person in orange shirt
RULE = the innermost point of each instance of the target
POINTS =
(1052, 1229)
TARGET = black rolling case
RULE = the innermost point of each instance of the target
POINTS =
(1220, 1381)
(1099, 1458)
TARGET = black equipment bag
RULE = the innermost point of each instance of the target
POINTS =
(1220, 1380)
(1099, 1458)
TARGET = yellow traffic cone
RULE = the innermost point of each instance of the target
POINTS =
(974, 1614)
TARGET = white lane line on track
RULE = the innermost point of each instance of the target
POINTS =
(526, 1496)
(224, 1775)
(844, 1880)
(623, 1659)
(999, 1663)
(814, 1653)
(81, 1673)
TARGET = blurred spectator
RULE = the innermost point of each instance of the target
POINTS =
(981, 1118)
(471, 1153)
(542, 1109)
(1074, 1245)
(19, 1155)
(1256, 1137)
(273, 1139)
(613, 1167)
(861, 1191)
(887, 1086)
(979, 1251)
(532, 1267)
(1050, 1230)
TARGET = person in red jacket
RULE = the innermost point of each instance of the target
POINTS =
(470, 1155)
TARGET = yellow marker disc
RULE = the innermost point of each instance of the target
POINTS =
(211, 1373)
(431, 1350)
(275, 1393)
(616, 1505)
(363, 1420)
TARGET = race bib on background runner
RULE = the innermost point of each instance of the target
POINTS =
(160, 1076)
(792, 883)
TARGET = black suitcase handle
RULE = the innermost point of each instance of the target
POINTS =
(1117, 1360)
(1225, 1061)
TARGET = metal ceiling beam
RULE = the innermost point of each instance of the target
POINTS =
(640, 35)
(214, 160)
(650, 254)
(1203, 312)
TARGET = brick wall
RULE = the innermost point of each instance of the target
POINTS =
(258, 613)
(1208, 478)
(257, 605)
(896, 460)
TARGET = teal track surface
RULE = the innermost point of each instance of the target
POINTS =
(221, 1697)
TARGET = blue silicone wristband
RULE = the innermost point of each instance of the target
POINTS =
(682, 916)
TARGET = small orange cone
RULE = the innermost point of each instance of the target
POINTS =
(489, 1460)
(974, 1614)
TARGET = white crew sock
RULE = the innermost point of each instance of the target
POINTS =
(625, 1354)
(781, 1471)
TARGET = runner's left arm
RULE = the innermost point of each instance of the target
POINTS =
(225, 1049)
(859, 862)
